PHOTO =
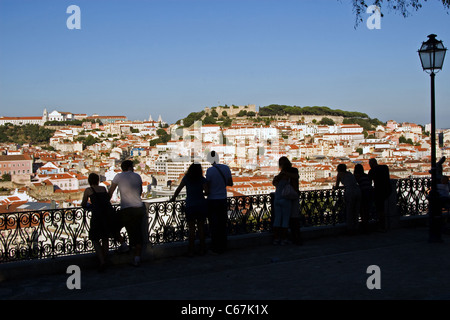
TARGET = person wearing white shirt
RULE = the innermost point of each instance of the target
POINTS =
(218, 177)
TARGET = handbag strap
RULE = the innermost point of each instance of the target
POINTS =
(224, 180)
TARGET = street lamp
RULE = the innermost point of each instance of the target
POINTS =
(432, 54)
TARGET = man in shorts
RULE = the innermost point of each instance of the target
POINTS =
(132, 209)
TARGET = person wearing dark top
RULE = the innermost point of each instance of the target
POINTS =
(102, 211)
(379, 174)
(196, 206)
(365, 184)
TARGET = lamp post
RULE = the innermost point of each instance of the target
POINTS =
(432, 54)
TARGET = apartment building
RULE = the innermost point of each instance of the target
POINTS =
(19, 167)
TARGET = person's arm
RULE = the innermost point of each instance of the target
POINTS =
(229, 178)
(206, 187)
(112, 189)
(177, 191)
(338, 180)
(276, 179)
(230, 181)
(86, 195)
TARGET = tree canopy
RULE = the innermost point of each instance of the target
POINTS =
(29, 133)
(281, 110)
(404, 7)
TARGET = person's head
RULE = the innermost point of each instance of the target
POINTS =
(194, 171)
(284, 163)
(213, 157)
(342, 167)
(373, 162)
(127, 165)
(359, 169)
(93, 179)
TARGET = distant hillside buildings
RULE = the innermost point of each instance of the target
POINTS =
(58, 116)
(251, 149)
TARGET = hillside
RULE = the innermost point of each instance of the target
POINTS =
(267, 113)
(29, 133)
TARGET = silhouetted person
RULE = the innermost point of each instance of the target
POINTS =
(352, 196)
(196, 207)
(379, 174)
(218, 177)
(286, 208)
(439, 169)
(443, 192)
(102, 211)
(132, 209)
(365, 185)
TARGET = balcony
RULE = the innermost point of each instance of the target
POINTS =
(37, 235)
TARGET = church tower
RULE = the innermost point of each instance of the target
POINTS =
(45, 116)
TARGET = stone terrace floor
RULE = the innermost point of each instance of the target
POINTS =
(327, 268)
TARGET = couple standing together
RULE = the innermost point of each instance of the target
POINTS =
(213, 207)
(106, 223)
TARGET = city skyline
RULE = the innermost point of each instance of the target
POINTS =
(168, 58)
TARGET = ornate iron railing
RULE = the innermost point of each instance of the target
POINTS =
(412, 196)
(57, 232)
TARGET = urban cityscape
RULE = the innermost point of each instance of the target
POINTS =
(279, 92)
(54, 174)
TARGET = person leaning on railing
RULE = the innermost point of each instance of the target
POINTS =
(132, 209)
(195, 204)
(218, 177)
(286, 201)
(102, 212)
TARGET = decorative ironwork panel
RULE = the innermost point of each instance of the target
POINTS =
(166, 222)
(42, 234)
(322, 207)
(249, 214)
(412, 196)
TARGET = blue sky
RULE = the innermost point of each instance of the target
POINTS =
(170, 57)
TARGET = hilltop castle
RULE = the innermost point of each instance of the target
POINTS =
(232, 110)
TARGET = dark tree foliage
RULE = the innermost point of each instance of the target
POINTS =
(29, 133)
(281, 110)
(192, 117)
(404, 7)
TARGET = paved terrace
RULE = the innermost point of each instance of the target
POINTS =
(329, 265)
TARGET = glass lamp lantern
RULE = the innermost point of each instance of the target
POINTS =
(432, 54)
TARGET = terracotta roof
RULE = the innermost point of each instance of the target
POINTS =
(15, 157)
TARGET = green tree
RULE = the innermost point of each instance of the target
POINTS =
(403, 139)
(242, 113)
(327, 121)
(209, 120)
